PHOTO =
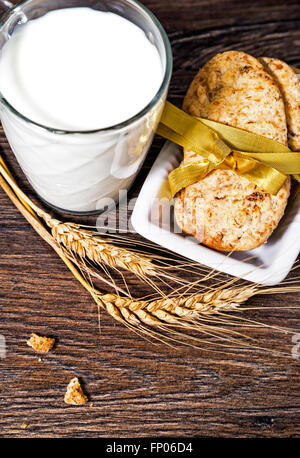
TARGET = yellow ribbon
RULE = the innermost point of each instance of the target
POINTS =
(261, 160)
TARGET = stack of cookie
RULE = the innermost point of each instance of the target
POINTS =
(225, 211)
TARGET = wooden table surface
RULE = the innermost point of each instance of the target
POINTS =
(139, 389)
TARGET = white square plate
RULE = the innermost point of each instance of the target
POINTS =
(269, 264)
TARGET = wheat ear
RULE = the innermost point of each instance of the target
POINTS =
(164, 314)
(86, 245)
(124, 309)
(82, 242)
(209, 303)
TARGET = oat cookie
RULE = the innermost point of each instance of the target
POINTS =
(223, 210)
(289, 84)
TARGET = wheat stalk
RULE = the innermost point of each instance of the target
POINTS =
(86, 245)
(159, 319)
(151, 313)
(183, 314)
(214, 302)
(179, 312)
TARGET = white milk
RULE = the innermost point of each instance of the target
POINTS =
(78, 69)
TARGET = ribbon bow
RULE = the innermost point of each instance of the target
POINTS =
(261, 160)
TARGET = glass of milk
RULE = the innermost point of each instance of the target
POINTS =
(82, 87)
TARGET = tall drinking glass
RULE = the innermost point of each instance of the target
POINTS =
(75, 170)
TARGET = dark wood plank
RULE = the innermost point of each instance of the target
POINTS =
(139, 389)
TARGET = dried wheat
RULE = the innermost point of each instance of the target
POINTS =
(165, 309)
(86, 245)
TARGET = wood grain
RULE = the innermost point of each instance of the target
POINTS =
(138, 389)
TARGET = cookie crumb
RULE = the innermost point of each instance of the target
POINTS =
(24, 426)
(91, 404)
(40, 343)
(74, 394)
